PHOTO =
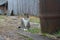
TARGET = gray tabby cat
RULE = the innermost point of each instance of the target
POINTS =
(25, 22)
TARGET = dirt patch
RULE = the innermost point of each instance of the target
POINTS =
(8, 28)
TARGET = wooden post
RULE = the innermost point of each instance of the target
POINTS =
(50, 15)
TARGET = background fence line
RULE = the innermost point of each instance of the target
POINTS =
(24, 6)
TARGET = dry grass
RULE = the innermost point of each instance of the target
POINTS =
(8, 28)
(34, 19)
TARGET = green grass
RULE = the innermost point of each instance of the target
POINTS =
(58, 33)
(1, 17)
(34, 30)
(29, 39)
(34, 19)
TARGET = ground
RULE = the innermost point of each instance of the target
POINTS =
(8, 28)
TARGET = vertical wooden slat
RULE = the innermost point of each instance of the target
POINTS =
(24, 6)
(9, 6)
(50, 15)
(15, 7)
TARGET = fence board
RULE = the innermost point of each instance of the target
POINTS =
(24, 6)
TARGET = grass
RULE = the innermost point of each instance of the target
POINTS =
(9, 28)
(34, 30)
(58, 33)
(1, 17)
(27, 38)
(34, 19)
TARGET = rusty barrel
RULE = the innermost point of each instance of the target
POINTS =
(50, 15)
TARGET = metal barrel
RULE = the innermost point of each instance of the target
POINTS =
(50, 15)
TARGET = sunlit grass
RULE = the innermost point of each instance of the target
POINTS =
(34, 30)
(1, 17)
(34, 19)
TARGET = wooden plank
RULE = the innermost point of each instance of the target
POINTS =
(50, 15)
(24, 6)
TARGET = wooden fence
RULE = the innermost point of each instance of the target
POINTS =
(23, 6)
(50, 15)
